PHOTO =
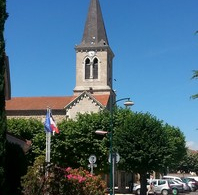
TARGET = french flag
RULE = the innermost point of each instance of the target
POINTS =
(50, 125)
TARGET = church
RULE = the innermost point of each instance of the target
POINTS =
(93, 90)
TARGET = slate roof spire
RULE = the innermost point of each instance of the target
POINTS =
(94, 32)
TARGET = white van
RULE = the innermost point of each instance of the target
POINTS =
(172, 177)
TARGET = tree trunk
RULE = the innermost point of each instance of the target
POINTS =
(143, 183)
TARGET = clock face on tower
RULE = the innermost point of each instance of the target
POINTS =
(91, 53)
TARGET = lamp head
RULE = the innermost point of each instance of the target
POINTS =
(101, 132)
(128, 103)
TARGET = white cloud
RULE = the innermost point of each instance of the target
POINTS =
(192, 145)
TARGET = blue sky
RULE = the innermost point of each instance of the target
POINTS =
(154, 44)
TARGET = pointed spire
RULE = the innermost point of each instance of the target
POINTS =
(94, 31)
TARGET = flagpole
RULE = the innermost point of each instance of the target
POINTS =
(48, 146)
(50, 127)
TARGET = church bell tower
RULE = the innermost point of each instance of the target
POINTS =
(94, 56)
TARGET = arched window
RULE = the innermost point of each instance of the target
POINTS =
(87, 68)
(95, 68)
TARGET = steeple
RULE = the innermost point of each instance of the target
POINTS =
(94, 32)
(94, 56)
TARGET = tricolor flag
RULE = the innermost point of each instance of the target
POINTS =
(50, 125)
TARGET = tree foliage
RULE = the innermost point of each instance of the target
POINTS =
(188, 164)
(145, 144)
(16, 161)
(28, 129)
(78, 140)
(3, 17)
(176, 146)
(75, 143)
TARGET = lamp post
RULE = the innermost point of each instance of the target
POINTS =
(127, 103)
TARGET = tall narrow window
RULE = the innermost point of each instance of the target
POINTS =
(95, 68)
(87, 68)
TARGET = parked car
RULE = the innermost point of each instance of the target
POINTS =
(194, 177)
(160, 186)
(186, 187)
(192, 183)
(136, 189)
(176, 183)
(171, 177)
(176, 187)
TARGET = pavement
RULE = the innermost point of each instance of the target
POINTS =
(123, 194)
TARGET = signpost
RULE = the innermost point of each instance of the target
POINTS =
(115, 159)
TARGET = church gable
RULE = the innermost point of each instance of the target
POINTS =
(84, 103)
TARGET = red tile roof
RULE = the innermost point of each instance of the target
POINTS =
(41, 103)
(37, 103)
(103, 99)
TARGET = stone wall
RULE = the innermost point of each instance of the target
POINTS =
(58, 115)
(85, 105)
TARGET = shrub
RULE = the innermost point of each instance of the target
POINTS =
(56, 180)
(84, 183)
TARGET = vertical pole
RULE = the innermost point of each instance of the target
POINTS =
(113, 173)
(48, 147)
(91, 168)
(111, 151)
(128, 103)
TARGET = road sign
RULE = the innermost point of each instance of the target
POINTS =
(92, 159)
(116, 156)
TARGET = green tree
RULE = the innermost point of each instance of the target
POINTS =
(28, 129)
(3, 17)
(177, 146)
(75, 143)
(143, 143)
(188, 164)
(78, 140)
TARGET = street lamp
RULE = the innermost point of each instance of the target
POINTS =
(101, 132)
(127, 103)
